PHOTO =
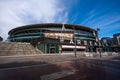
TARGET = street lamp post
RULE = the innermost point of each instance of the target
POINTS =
(61, 36)
(99, 43)
(75, 50)
(75, 46)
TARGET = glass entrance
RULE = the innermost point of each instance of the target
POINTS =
(48, 48)
(52, 50)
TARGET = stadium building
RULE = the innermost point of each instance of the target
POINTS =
(106, 43)
(111, 44)
(1, 39)
(116, 39)
(56, 38)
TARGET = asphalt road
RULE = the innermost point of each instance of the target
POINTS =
(80, 69)
(111, 67)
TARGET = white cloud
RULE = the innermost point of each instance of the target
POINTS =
(14, 13)
(90, 16)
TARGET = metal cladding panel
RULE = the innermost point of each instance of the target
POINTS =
(51, 25)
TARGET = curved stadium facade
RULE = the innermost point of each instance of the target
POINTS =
(56, 38)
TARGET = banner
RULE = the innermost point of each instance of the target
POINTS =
(57, 35)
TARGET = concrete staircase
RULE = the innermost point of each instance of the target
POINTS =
(17, 48)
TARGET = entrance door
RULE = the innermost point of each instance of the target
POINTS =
(52, 50)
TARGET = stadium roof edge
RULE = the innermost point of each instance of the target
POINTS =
(43, 24)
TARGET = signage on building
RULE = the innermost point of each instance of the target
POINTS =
(57, 35)
(73, 46)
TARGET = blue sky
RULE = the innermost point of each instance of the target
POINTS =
(103, 14)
